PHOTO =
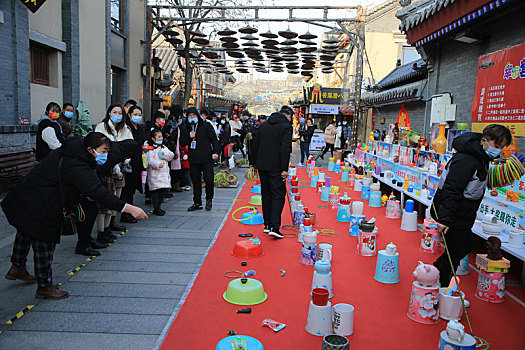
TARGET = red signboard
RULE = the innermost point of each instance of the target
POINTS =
(499, 97)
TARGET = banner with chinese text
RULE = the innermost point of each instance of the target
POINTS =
(499, 97)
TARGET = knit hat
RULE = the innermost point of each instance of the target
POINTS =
(192, 110)
(246, 113)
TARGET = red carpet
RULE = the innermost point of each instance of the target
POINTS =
(380, 320)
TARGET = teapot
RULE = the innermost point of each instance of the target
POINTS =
(455, 331)
(391, 249)
(310, 237)
(322, 267)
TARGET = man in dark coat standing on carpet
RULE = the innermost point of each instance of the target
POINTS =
(203, 150)
(271, 156)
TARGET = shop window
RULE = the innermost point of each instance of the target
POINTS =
(117, 15)
(116, 76)
(39, 63)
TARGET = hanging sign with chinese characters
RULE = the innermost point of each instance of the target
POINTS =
(319, 95)
(499, 97)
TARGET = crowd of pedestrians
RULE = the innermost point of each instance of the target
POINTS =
(93, 178)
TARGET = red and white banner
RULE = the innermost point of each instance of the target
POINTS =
(499, 96)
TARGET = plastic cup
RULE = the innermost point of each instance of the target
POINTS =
(320, 296)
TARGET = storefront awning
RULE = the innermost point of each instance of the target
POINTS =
(405, 93)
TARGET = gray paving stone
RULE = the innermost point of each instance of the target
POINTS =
(105, 289)
(133, 277)
(141, 266)
(161, 257)
(80, 341)
(188, 241)
(91, 323)
(154, 235)
(144, 248)
(115, 305)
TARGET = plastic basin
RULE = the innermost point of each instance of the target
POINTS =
(245, 291)
(246, 249)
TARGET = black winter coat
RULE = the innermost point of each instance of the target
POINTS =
(462, 184)
(42, 149)
(207, 143)
(34, 207)
(273, 144)
(136, 161)
(306, 133)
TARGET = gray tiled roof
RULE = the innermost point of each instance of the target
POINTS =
(414, 14)
(406, 73)
(405, 93)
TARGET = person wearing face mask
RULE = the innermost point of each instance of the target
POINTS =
(65, 119)
(159, 180)
(49, 134)
(306, 131)
(224, 137)
(235, 128)
(347, 130)
(338, 135)
(203, 151)
(461, 189)
(133, 168)
(115, 128)
(35, 206)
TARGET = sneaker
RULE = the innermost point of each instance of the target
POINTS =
(187, 188)
(208, 204)
(300, 164)
(266, 228)
(276, 234)
(20, 273)
(159, 212)
(50, 292)
(195, 207)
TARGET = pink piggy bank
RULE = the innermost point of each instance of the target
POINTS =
(425, 274)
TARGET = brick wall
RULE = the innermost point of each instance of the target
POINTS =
(454, 63)
(416, 113)
(14, 43)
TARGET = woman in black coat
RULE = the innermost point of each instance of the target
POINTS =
(34, 207)
(133, 170)
(224, 136)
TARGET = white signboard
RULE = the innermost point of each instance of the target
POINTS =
(317, 142)
(324, 109)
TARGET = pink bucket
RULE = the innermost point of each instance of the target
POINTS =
(430, 242)
(491, 286)
(424, 304)
(333, 200)
(393, 210)
(366, 243)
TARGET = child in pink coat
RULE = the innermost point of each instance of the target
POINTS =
(159, 180)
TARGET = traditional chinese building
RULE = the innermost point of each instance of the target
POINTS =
(403, 89)
(474, 51)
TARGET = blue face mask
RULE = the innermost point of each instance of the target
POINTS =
(223, 121)
(115, 118)
(101, 157)
(158, 142)
(344, 123)
(338, 124)
(301, 120)
(136, 119)
(192, 120)
(68, 114)
(493, 153)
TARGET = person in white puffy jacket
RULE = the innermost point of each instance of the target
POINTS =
(159, 180)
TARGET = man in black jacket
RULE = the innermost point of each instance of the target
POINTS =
(461, 190)
(203, 150)
(271, 156)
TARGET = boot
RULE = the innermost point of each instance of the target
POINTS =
(126, 217)
(113, 226)
(195, 206)
(20, 273)
(102, 238)
(50, 292)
